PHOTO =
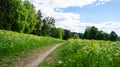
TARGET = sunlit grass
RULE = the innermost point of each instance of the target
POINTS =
(87, 53)
(13, 44)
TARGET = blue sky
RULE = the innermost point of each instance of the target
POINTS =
(95, 14)
(76, 15)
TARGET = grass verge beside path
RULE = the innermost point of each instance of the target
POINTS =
(85, 53)
(51, 60)
(13, 44)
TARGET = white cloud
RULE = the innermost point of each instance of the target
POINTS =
(110, 26)
(59, 10)
(71, 20)
(66, 3)
(100, 2)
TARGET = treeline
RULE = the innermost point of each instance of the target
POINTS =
(20, 16)
(94, 33)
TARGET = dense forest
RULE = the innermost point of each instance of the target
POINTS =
(20, 16)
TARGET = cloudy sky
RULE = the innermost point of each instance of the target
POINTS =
(76, 15)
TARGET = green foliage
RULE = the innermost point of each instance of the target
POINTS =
(9, 12)
(39, 17)
(17, 16)
(37, 29)
(48, 23)
(118, 39)
(80, 35)
(67, 34)
(100, 35)
(113, 36)
(90, 32)
(94, 33)
(61, 33)
(88, 53)
(31, 17)
(57, 32)
(86, 33)
(13, 44)
(76, 36)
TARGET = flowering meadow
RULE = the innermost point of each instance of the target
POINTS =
(85, 53)
(89, 53)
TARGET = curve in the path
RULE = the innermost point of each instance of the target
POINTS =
(42, 57)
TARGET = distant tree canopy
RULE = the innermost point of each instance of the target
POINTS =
(67, 34)
(113, 36)
(94, 33)
(118, 39)
(57, 32)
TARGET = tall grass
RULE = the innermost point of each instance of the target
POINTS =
(88, 53)
(13, 44)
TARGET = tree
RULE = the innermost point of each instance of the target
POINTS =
(57, 32)
(67, 34)
(11, 12)
(31, 17)
(39, 17)
(100, 35)
(4, 14)
(38, 26)
(107, 36)
(113, 36)
(76, 36)
(92, 32)
(118, 39)
(86, 33)
(80, 35)
(17, 15)
(61, 33)
(48, 23)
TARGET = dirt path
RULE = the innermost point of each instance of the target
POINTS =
(42, 57)
(34, 58)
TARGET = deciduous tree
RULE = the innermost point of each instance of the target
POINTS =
(113, 36)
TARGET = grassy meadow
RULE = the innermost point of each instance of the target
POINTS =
(13, 44)
(85, 53)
